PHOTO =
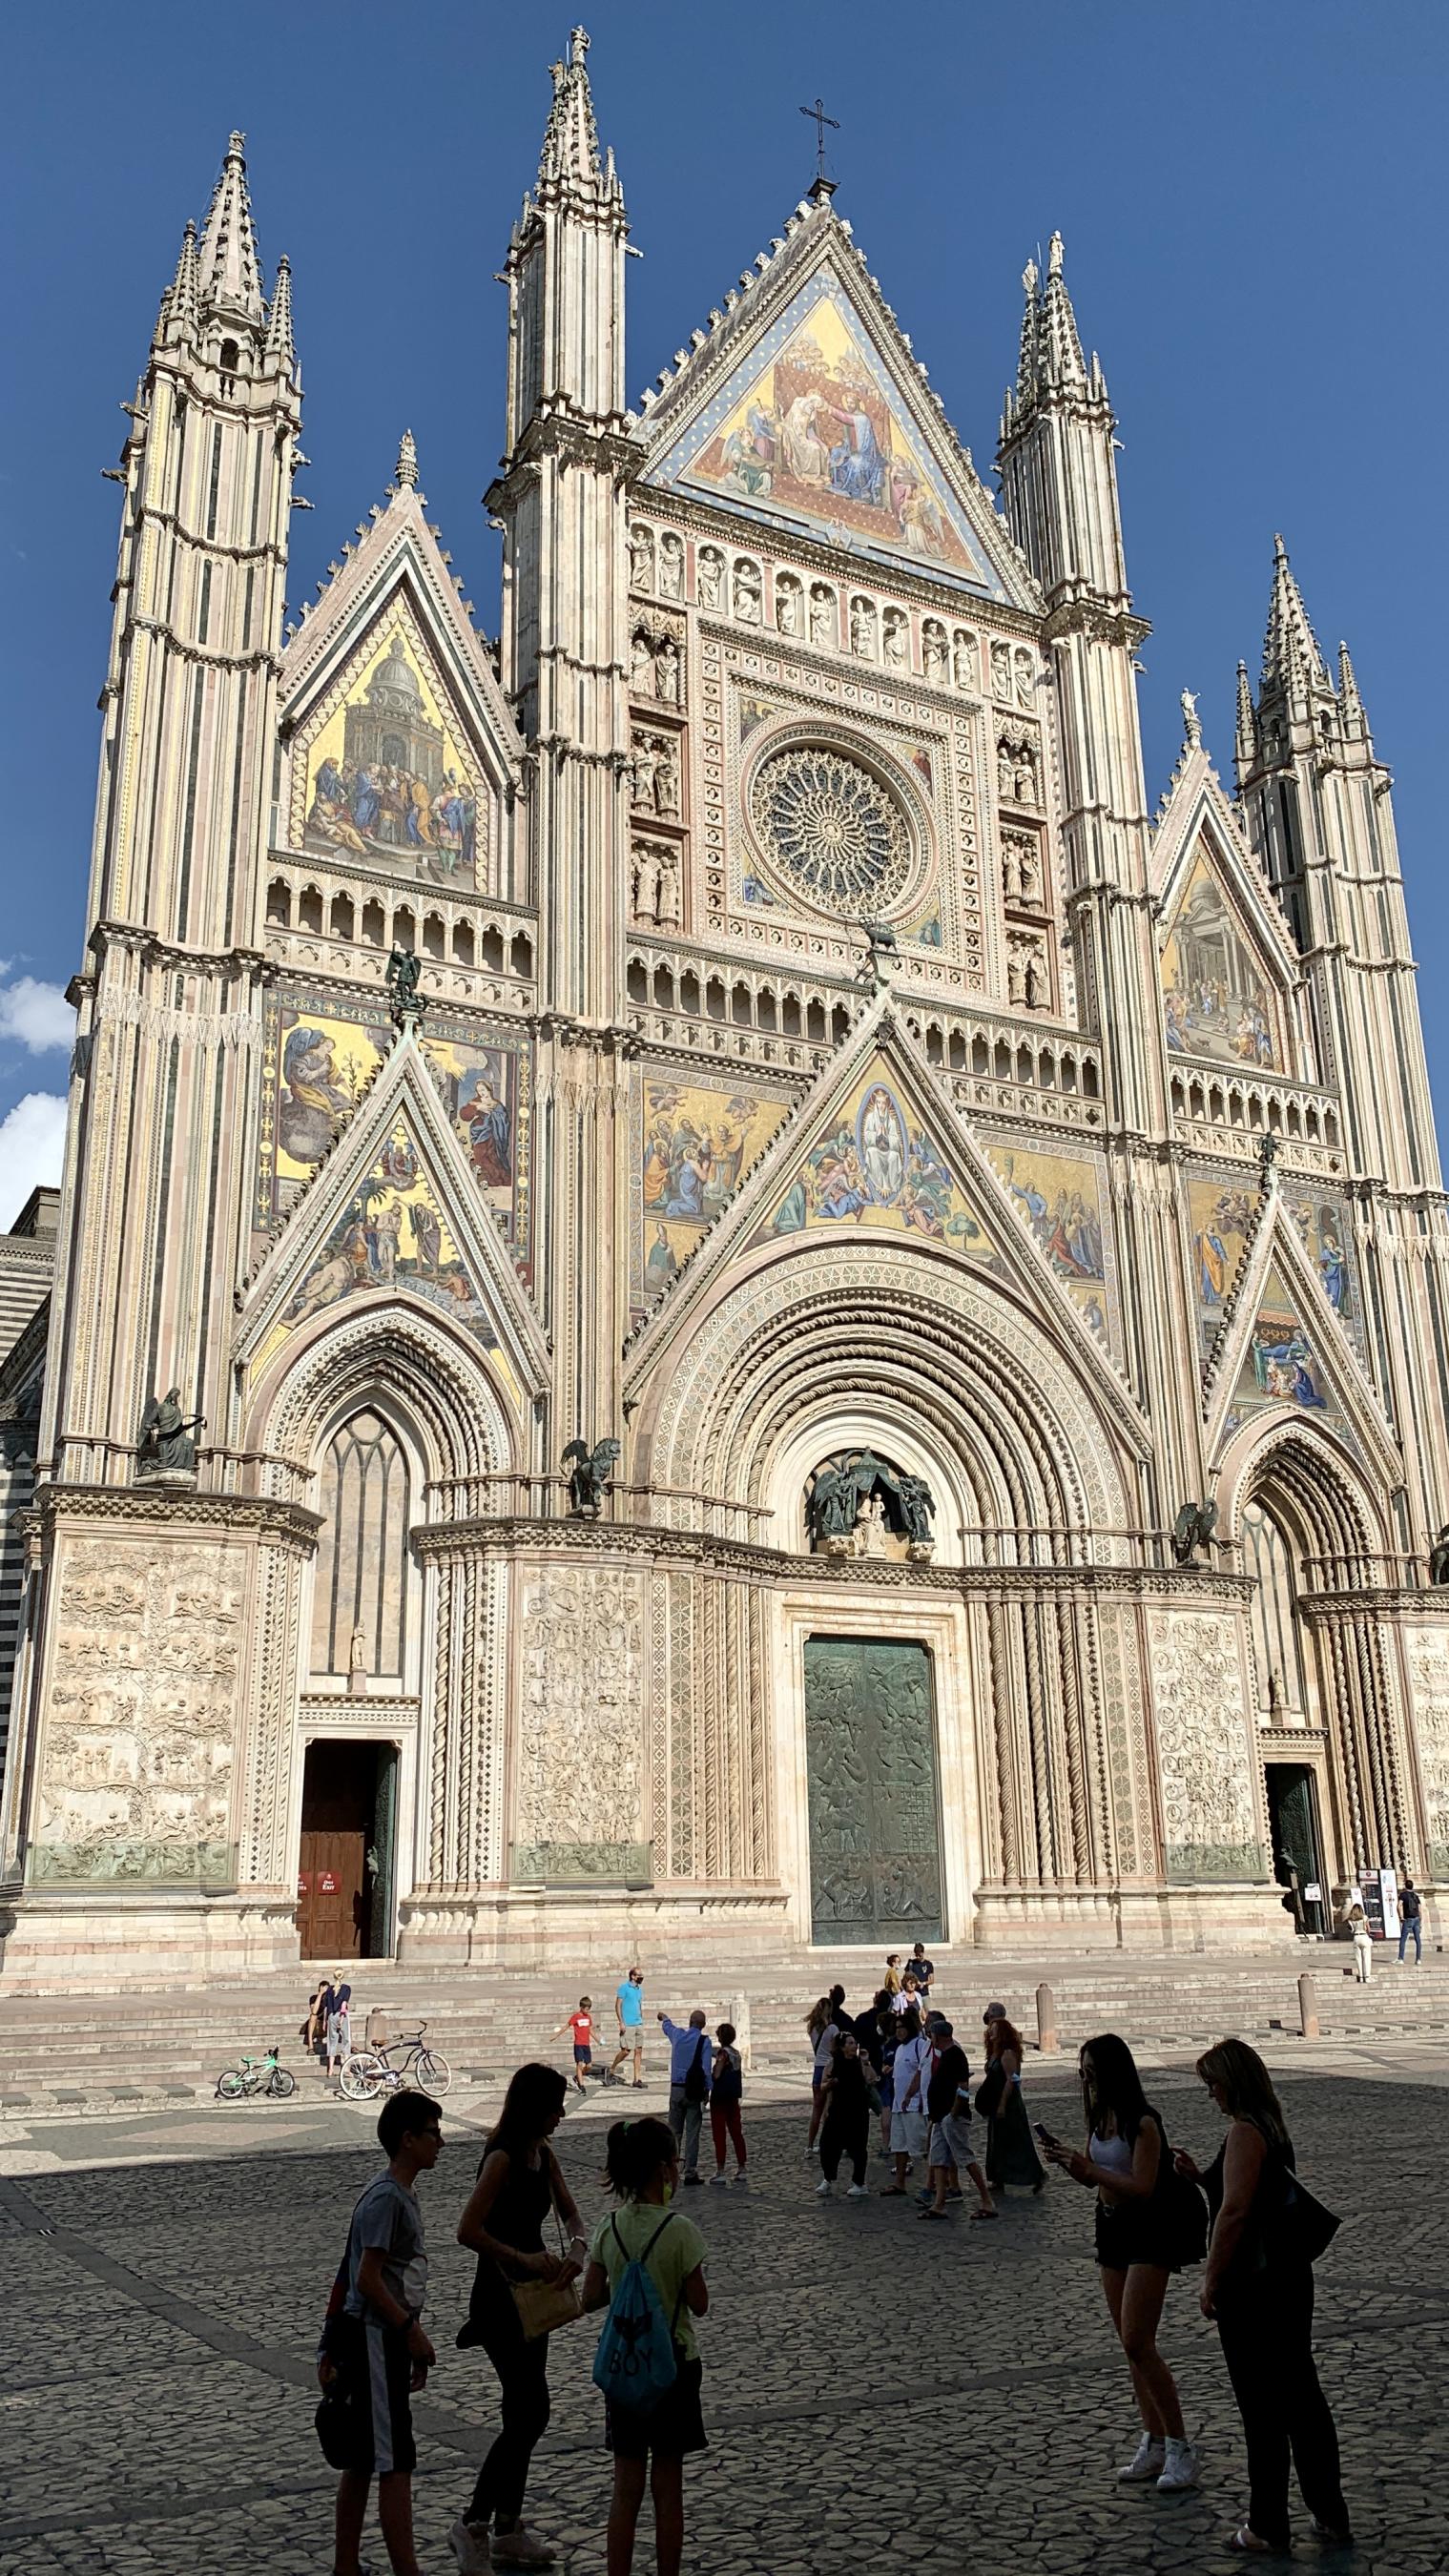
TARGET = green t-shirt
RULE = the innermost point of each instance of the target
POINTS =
(679, 2249)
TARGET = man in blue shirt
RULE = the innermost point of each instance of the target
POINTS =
(690, 2060)
(629, 2013)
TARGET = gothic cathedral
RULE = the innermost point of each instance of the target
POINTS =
(708, 1290)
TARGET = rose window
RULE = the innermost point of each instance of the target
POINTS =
(831, 830)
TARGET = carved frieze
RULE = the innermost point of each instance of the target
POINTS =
(140, 1729)
(1426, 1657)
(1209, 1810)
(581, 1741)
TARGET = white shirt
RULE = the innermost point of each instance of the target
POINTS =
(911, 2054)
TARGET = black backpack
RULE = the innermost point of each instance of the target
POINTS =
(696, 2086)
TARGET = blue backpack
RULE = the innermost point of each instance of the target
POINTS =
(636, 2364)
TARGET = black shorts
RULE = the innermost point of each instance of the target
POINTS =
(374, 2400)
(1124, 2238)
(668, 2430)
(583, 2056)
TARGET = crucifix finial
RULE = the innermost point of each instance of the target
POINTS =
(820, 120)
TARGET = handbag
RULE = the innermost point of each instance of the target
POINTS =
(1308, 2227)
(990, 2090)
(543, 2306)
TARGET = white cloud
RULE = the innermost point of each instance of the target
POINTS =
(36, 1015)
(32, 1146)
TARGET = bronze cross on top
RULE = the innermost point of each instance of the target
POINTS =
(820, 120)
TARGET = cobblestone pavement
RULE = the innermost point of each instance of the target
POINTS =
(159, 2318)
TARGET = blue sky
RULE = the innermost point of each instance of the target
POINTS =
(1253, 228)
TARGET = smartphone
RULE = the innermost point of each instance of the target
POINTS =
(1045, 2135)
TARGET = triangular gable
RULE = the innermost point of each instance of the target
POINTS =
(1227, 965)
(393, 1213)
(877, 1148)
(1283, 1352)
(804, 408)
(397, 730)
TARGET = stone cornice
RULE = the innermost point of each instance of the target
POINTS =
(513, 1535)
(165, 1506)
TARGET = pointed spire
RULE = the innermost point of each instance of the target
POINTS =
(570, 156)
(1292, 662)
(1246, 747)
(230, 273)
(281, 347)
(1060, 361)
(178, 304)
(1030, 334)
(1355, 722)
(405, 475)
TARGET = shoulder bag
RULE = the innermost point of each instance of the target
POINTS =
(544, 2305)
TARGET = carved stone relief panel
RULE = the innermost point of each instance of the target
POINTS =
(580, 1765)
(1209, 1809)
(1426, 1658)
(141, 1725)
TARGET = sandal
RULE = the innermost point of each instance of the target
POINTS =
(933, 2213)
(977, 2214)
(894, 2191)
(1246, 2544)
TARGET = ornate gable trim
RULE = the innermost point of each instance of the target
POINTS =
(403, 1091)
(816, 260)
(1009, 1253)
(400, 552)
(1197, 817)
(1275, 1247)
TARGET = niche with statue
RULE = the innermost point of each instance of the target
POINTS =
(859, 1504)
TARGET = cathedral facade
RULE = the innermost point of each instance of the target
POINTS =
(708, 1287)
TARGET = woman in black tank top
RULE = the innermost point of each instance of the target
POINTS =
(518, 2181)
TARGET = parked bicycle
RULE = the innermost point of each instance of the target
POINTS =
(257, 2075)
(403, 2064)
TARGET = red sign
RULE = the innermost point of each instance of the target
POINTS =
(304, 1884)
(327, 1884)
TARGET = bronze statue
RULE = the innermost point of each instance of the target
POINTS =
(1439, 1557)
(401, 981)
(590, 1475)
(831, 1505)
(917, 1505)
(166, 1447)
(1193, 1529)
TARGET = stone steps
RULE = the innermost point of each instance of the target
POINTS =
(136, 2048)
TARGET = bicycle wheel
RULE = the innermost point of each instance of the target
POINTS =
(230, 2086)
(434, 2073)
(362, 2074)
(283, 2084)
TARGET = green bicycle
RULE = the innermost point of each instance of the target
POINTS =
(257, 2075)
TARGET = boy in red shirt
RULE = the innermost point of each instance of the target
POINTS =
(581, 2023)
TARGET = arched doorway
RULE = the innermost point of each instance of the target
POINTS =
(364, 1614)
(1324, 1705)
(1286, 1690)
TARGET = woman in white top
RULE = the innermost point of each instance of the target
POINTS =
(1363, 1944)
(1126, 2161)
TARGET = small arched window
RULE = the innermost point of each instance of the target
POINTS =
(360, 1599)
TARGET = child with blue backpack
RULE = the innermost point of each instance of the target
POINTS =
(646, 2264)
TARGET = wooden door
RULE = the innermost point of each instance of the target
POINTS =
(330, 1877)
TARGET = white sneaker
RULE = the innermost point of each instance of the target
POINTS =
(719, 2182)
(858, 2191)
(1179, 2469)
(521, 2548)
(469, 2544)
(1147, 2461)
(824, 2190)
(742, 2181)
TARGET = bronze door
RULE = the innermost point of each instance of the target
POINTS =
(875, 1837)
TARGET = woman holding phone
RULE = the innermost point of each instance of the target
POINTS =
(1127, 2162)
